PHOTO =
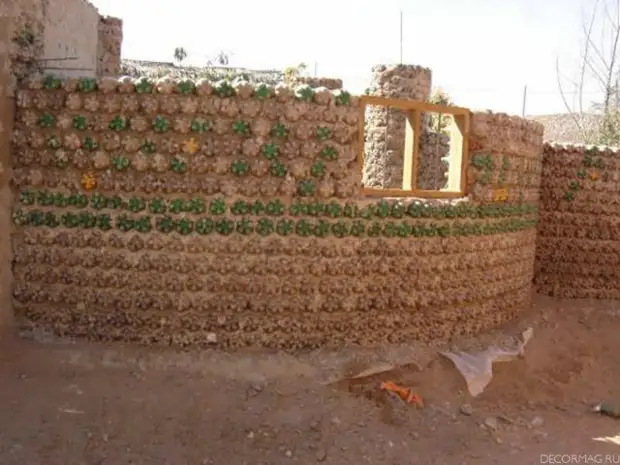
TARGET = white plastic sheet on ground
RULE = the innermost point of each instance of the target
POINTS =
(477, 367)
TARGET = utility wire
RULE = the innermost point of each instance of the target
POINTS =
(529, 91)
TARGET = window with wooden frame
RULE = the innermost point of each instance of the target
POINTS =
(456, 126)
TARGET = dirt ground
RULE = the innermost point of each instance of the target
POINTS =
(68, 403)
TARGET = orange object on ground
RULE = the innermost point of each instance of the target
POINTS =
(404, 393)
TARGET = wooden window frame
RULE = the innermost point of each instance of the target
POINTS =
(459, 147)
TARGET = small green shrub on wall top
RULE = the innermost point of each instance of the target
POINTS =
(51, 82)
(342, 97)
(186, 87)
(262, 91)
(87, 85)
(143, 85)
(223, 88)
(438, 122)
(304, 93)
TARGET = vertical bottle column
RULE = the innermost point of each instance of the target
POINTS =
(385, 128)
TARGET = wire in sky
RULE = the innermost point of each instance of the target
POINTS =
(530, 92)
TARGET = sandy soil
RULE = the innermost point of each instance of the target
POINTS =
(73, 403)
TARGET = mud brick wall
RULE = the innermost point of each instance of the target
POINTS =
(6, 199)
(52, 30)
(110, 41)
(385, 134)
(70, 31)
(578, 239)
(205, 213)
(26, 31)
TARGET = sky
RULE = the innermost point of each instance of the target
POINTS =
(482, 52)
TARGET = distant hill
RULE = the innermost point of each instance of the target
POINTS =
(157, 69)
(562, 128)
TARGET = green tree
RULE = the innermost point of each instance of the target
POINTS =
(180, 54)
(293, 72)
(222, 58)
(439, 122)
